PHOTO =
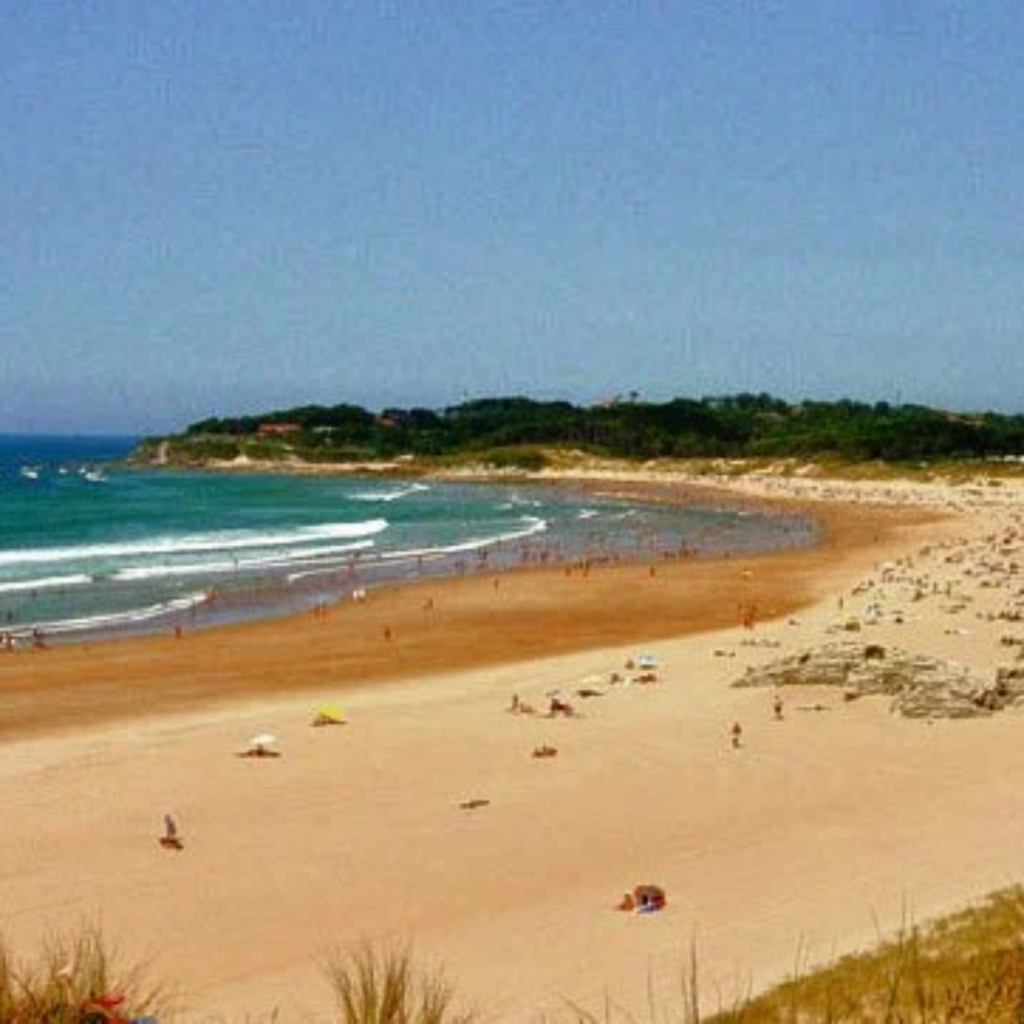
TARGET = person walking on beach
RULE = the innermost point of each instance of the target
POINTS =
(777, 707)
(737, 734)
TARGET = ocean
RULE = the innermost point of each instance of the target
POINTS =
(90, 547)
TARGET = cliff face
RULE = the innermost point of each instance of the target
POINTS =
(311, 452)
(151, 452)
(189, 450)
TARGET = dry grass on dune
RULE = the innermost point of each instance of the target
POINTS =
(967, 968)
(76, 979)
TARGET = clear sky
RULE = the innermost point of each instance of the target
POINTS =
(219, 206)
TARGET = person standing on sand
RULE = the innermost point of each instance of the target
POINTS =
(170, 840)
(737, 734)
(777, 707)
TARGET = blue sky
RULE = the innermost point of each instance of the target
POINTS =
(218, 207)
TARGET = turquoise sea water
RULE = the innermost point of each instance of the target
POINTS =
(88, 546)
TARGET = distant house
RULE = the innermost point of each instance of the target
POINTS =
(277, 429)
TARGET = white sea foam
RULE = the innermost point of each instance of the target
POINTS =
(534, 526)
(416, 555)
(220, 540)
(134, 574)
(390, 495)
(132, 615)
(45, 583)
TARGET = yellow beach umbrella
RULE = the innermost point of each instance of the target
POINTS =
(330, 713)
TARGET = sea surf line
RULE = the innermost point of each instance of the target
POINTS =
(147, 549)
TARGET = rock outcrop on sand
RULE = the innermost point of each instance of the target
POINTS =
(920, 686)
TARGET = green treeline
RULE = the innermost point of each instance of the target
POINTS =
(743, 425)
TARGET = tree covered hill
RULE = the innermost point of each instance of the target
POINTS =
(515, 429)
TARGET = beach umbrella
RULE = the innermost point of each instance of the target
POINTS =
(263, 739)
(330, 711)
(647, 661)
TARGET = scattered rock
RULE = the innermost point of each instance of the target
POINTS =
(919, 686)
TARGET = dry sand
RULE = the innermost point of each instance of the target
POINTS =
(819, 830)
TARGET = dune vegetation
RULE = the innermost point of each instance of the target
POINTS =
(77, 978)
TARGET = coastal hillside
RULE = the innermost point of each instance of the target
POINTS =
(519, 432)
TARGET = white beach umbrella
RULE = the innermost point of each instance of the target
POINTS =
(263, 739)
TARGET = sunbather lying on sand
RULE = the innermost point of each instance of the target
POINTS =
(258, 751)
(560, 707)
(326, 718)
(520, 707)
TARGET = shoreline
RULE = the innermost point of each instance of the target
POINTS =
(483, 619)
(253, 592)
(817, 834)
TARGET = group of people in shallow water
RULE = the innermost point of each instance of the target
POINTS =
(8, 641)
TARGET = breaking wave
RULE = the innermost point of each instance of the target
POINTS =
(219, 540)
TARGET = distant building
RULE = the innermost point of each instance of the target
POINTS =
(278, 429)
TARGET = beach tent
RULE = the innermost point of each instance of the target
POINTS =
(647, 661)
(649, 897)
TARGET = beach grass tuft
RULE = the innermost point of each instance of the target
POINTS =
(376, 985)
(70, 981)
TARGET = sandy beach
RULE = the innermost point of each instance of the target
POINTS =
(821, 829)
